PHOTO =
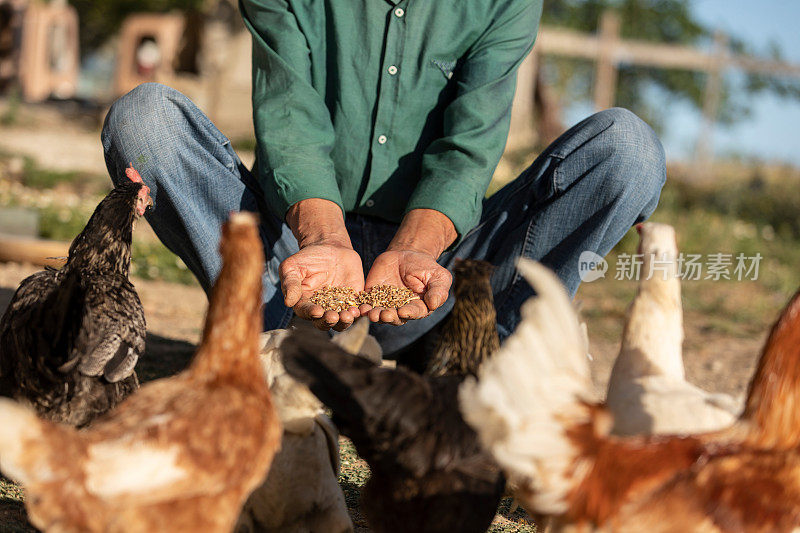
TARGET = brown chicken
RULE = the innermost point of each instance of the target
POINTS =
(70, 338)
(469, 335)
(531, 407)
(183, 453)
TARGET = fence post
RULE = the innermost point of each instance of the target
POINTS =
(704, 150)
(605, 74)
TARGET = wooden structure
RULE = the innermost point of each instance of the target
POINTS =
(11, 15)
(37, 251)
(608, 50)
(160, 34)
(49, 58)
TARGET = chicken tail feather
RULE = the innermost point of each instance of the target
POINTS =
(528, 396)
(774, 394)
(332, 374)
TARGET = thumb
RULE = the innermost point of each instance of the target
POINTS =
(291, 286)
(437, 292)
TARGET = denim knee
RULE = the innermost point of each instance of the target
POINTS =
(637, 153)
(138, 118)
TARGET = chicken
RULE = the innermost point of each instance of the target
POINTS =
(70, 338)
(532, 408)
(469, 335)
(301, 492)
(180, 455)
(648, 391)
(429, 473)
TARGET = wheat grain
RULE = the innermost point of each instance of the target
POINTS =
(340, 298)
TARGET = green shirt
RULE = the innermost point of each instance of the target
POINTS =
(384, 106)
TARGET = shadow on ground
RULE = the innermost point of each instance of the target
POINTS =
(13, 517)
(163, 357)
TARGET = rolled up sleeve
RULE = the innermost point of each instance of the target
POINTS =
(458, 166)
(293, 128)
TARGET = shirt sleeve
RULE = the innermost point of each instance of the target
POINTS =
(457, 167)
(294, 133)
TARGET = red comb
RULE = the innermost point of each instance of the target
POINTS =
(133, 175)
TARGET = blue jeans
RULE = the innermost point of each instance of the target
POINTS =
(582, 193)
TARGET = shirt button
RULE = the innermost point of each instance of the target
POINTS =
(369, 203)
(393, 70)
(382, 139)
(399, 12)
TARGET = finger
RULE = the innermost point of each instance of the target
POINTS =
(364, 309)
(437, 293)
(292, 290)
(375, 314)
(308, 310)
(389, 316)
(414, 283)
(413, 310)
(346, 319)
(330, 319)
(327, 321)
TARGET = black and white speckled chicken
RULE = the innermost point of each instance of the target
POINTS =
(469, 335)
(71, 337)
(429, 473)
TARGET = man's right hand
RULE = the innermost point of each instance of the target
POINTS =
(317, 266)
(326, 258)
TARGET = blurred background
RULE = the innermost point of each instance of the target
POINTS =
(719, 80)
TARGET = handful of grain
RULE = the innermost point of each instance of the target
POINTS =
(341, 298)
(336, 298)
(387, 296)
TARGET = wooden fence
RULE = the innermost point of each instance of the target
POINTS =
(607, 50)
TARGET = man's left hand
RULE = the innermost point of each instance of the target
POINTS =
(416, 270)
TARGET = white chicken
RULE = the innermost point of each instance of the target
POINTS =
(301, 492)
(648, 392)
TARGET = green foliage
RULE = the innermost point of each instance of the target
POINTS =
(662, 21)
(99, 20)
(748, 216)
(10, 115)
(38, 178)
(152, 260)
(61, 223)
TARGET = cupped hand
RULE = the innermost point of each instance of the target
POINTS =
(317, 266)
(415, 270)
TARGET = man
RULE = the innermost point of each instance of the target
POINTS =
(379, 124)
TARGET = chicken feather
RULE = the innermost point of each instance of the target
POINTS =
(70, 338)
(648, 391)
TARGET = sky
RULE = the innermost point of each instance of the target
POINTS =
(771, 133)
